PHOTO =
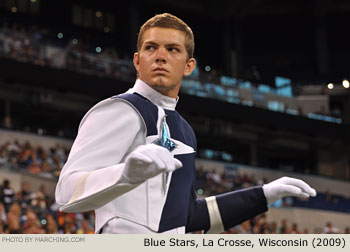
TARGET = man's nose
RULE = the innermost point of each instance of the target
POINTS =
(161, 55)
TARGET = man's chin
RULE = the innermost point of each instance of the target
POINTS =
(159, 82)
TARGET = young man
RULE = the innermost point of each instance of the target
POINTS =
(133, 158)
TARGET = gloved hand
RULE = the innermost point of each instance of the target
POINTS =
(147, 161)
(286, 186)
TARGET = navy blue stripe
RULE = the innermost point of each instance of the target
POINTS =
(147, 109)
(175, 211)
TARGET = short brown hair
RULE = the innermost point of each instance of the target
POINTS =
(167, 20)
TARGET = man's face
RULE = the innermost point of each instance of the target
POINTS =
(162, 60)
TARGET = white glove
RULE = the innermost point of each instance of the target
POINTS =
(147, 161)
(286, 186)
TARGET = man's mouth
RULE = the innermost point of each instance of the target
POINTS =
(160, 70)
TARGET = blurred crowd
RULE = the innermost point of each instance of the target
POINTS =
(260, 225)
(22, 45)
(36, 160)
(42, 47)
(212, 183)
(35, 212)
(28, 212)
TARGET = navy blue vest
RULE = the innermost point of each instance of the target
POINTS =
(176, 208)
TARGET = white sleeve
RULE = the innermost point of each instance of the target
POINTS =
(92, 174)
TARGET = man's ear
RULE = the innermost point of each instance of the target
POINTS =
(136, 61)
(190, 66)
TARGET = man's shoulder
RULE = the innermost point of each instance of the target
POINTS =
(110, 108)
(134, 98)
(118, 99)
(144, 106)
(105, 103)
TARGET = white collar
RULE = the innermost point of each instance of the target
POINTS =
(154, 96)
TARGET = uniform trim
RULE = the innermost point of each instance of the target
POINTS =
(216, 225)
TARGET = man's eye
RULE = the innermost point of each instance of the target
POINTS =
(172, 49)
(149, 47)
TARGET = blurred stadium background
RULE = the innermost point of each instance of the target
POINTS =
(270, 98)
